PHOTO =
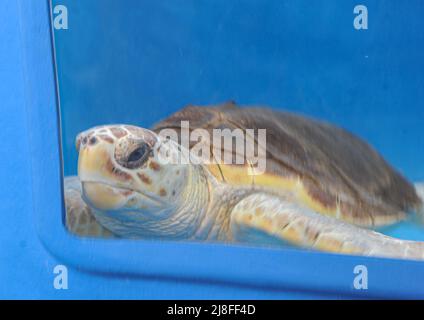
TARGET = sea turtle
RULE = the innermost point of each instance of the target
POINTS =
(323, 188)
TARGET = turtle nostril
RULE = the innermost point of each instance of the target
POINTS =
(92, 140)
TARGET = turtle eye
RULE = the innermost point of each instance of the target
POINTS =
(138, 156)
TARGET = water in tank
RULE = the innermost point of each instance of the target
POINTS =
(325, 96)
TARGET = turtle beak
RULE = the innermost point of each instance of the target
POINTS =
(103, 196)
(100, 187)
(94, 163)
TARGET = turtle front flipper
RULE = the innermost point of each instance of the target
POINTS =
(79, 218)
(286, 220)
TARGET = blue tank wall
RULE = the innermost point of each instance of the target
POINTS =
(32, 244)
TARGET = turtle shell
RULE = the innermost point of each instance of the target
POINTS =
(327, 168)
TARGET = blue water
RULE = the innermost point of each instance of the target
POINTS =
(138, 61)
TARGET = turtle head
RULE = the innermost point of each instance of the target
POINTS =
(131, 178)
